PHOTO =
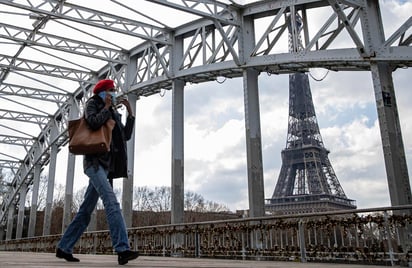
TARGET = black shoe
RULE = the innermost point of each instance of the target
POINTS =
(67, 256)
(126, 256)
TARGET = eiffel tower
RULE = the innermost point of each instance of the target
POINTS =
(307, 182)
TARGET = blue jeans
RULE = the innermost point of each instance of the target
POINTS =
(99, 186)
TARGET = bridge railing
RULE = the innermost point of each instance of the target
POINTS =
(369, 236)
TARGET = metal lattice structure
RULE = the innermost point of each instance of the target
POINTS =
(53, 51)
(307, 182)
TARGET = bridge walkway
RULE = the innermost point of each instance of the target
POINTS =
(42, 260)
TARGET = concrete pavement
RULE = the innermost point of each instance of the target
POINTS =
(42, 260)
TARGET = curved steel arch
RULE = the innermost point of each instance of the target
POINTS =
(219, 39)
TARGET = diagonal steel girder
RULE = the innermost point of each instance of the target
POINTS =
(9, 156)
(9, 164)
(20, 64)
(32, 93)
(400, 35)
(38, 24)
(271, 28)
(15, 130)
(354, 3)
(338, 8)
(16, 140)
(337, 17)
(41, 120)
(220, 13)
(26, 36)
(208, 9)
(94, 18)
(353, 18)
(153, 62)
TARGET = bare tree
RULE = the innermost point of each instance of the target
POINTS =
(41, 197)
(78, 198)
(194, 202)
(141, 199)
(159, 199)
(4, 184)
(59, 193)
(162, 199)
(215, 207)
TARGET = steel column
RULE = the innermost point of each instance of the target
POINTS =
(10, 222)
(393, 148)
(128, 183)
(50, 190)
(20, 214)
(34, 199)
(177, 153)
(252, 122)
(71, 165)
(68, 195)
(390, 127)
(177, 187)
(389, 123)
(253, 144)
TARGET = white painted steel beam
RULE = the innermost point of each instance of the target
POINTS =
(128, 183)
(34, 201)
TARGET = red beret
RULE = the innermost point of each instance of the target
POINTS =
(103, 85)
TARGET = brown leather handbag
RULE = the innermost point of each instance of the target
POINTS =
(84, 140)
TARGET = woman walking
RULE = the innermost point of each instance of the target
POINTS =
(101, 169)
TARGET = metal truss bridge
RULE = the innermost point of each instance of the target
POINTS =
(52, 52)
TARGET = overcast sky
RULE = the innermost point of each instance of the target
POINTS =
(215, 147)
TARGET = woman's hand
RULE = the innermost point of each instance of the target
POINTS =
(126, 103)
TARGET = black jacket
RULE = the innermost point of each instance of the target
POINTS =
(114, 161)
